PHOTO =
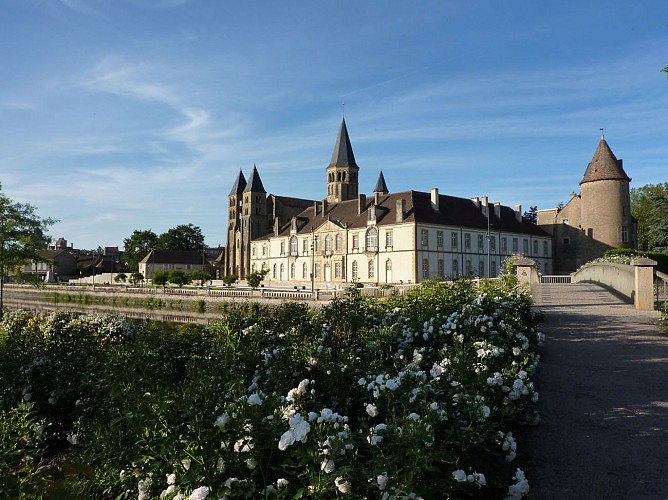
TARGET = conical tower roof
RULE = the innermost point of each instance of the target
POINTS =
(239, 184)
(604, 166)
(254, 183)
(381, 187)
(343, 151)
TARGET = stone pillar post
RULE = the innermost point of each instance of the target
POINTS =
(644, 284)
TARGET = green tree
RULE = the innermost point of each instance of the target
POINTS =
(531, 214)
(200, 276)
(137, 246)
(136, 277)
(22, 236)
(179, 277)
(160, 278)
(183, 237)
(120, 277)
(255, 278)
(229, 279)
(649, 205)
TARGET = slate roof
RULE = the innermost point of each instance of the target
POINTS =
(381, 186)
(254, 183)
(604, 166)
(453, 211)
(288, 201)
(343, 156)
(239, 184)
(173, 257)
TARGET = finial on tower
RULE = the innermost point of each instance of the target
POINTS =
(343, 109)
(602, 133)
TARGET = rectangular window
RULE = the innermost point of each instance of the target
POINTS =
(481, 268)
(439, 239)
(492, 243)
(467, 241)
(282, 247)
(316, 241)
(567, 241)
(516, 245)
(535, 247)
(337, 270)
(504, 245)
(337, 242)
(454, 240)
(493, 269)
(525, 246)
(455, 267)
(625, 234)
(305, 246)
(389, 237)
(481, 244)
(441, 268)
(425, 268)
(545, 248)
(356, 242)
(424, 241)
(317, 270)
(468, 269)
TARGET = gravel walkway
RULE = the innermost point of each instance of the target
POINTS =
(603, 385)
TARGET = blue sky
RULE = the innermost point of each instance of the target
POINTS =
(138, 114)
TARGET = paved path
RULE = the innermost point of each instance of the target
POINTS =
(603, 386)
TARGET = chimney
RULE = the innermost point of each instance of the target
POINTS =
(476, 201)
(361, 203)
(315, 209)
(276, 226)
(401, 210)
(497, 210)
(324, 207)
(376, 198)
(518, 213)
(485, 206)
(434, 199)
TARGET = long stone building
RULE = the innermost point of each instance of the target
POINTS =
(392, 238)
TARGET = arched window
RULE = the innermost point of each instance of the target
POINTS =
(253, 268)
(292, 271)
(354, 270)
(328, 243)
(273, 275)
(293, 246)
(372, 239)
(304, 271)
(372, 269)
(388, 271)
(282, 271)
(338, 242)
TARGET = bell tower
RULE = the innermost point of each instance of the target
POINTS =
(342, 172)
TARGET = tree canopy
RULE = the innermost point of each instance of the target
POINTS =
(182, 237)
(649, 205)
(22, 235)
(137, 246)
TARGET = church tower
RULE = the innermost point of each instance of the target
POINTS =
(254, 219)
(232, 253)
(342, 172)
(606, 205)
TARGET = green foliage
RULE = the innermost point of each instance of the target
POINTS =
(121, 278)
(661, 258)
(201, 276)
(649, 205)
(532, 214)
(255, 278)
(182, 237)
(179, 277)
(229, 279)
(137, 246)
(412, 389)
(160, 278)
(136, 277)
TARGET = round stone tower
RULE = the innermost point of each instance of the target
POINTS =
(605, 216)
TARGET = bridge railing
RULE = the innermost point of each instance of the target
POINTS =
(556, 278)
(661, 290)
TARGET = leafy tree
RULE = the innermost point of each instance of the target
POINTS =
(179, 277)
(120, 277)
(531, 214)
(200, 276)
(649, 205)
(136, 277)
(137, 246)
(183, 237)
(255, 278)
(22, 236)
(160, 278)
(229, 279)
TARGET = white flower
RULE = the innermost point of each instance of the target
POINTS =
(222, 420)
(282, 483)
(220, 466)
(287, 439)
(459, 475)
(171, 479)
(372, 410)
(382, 480)
(200, 493)
(254, 399)
(414, 416)
(244, 445)
(186, 463)
(251, 463)
(328, 465)
(485, 411)
(170, 489)
(73, 439)
(342, 485)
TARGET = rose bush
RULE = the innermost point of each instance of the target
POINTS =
(413, 396)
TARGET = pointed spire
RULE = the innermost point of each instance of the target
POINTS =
(254, 183)
(239, 184)
(343, 151)
(381, 187)
(604, 166)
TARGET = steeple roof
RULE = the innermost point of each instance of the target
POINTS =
(381, 187)
(254, 183)
(343, 151)
(239, 184)
(604, 166)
